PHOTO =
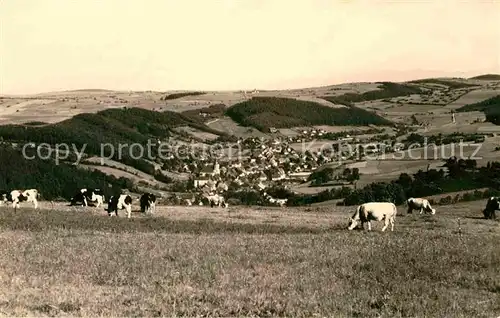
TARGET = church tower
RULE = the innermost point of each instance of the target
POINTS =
(216, 168)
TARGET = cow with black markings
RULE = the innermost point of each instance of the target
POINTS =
(492, 205)
(18, 196)
(148, 203)
(119, 202)
(84, 196)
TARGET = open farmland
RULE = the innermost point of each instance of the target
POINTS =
(232, 262)
(473, 97)
(239, 261)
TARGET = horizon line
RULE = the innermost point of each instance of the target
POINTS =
(237, 90)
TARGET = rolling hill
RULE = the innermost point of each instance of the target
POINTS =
(266, 112)
(57, 181)
(93, 117)
(113, 126)
(386, 90)
(487, 77)
(490, 107)
(449, 83)
(487, 105)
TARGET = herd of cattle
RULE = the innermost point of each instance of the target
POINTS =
(85, 196)
(386, 211)
(365, 213)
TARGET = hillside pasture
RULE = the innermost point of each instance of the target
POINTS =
(248, 262)
(119, 173)
(482, 152)
(196, 133)
(305, 188)
(440, 96)
(473, 97)
(390, 108)
(227, 125)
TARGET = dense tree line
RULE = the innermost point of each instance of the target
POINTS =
(103, 133)
(493, 116)
(179, 95)
(387, 90)
(491, 103)
(202, 114)
(53, 181)
(450, 84)
(490, 107)
(487, 77)
(440, 139)
(266, 112)
(462, 174)
(343, 134)
(468, 196)
(331, 194)
(114, 126)
(328, 174)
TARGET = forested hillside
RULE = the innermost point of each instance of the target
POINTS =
(114, 126)
(53, 181)
(490, 107)
(266, 112)
(387, 90)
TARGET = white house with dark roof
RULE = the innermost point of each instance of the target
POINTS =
(210, 171)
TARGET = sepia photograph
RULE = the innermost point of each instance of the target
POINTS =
(250, 158)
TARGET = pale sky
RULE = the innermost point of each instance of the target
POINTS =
(52, 45)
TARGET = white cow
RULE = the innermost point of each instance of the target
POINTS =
(376, 211)
(216, 199)
(30, 195)
(419, 204)
(281, 202)
(3, 197)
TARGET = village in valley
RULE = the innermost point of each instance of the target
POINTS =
(257, 163)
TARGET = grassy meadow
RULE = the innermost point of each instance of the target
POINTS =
(199, 261)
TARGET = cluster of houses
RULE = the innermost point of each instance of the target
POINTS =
(258, 163)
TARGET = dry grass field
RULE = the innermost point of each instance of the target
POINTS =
(199, 261)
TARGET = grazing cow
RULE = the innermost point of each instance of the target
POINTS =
(281, 202)
(86, 195)
(3, 196)
(17, 196)
(492, 205)
(376, 211)
(419, 204)
(148, 203)
(119, 202)
(218, 200)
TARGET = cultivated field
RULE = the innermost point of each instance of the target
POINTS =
(194, 261)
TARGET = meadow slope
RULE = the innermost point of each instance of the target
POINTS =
(247, 261)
